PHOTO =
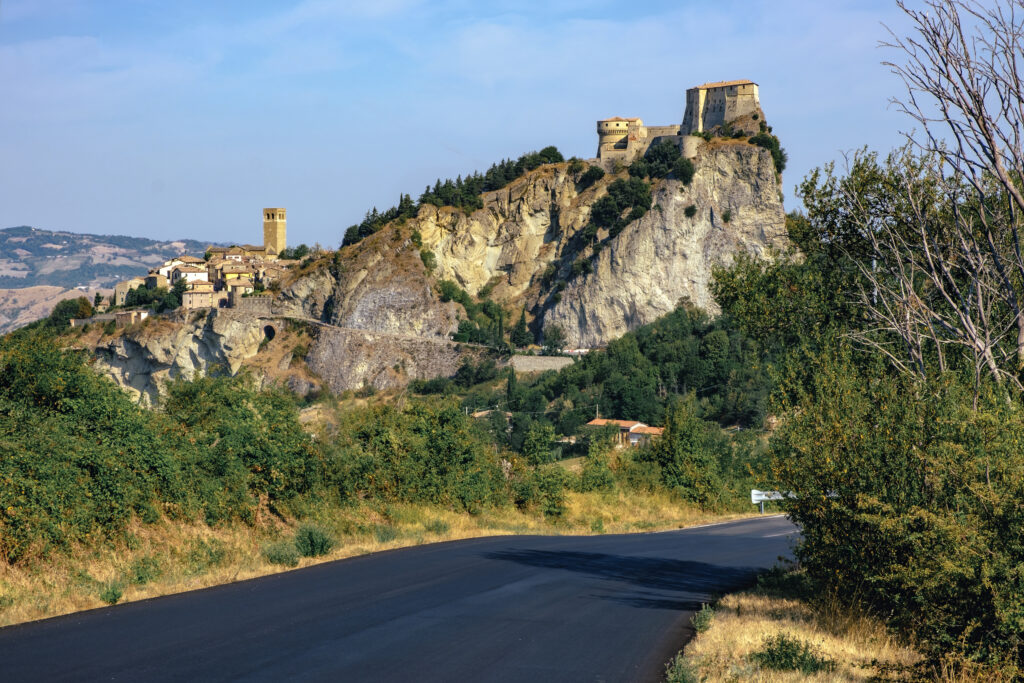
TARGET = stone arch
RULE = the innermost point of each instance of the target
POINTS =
(269, 332)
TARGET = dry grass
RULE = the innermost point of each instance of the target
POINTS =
(171, 557)
(860, 647)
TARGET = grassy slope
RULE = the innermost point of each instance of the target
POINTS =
(860, 647)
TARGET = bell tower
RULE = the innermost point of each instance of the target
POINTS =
(274, 227)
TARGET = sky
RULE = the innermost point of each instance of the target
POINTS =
(184, 119)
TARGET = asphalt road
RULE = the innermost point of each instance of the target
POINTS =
(510, 608)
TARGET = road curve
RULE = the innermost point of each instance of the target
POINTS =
(508, 608)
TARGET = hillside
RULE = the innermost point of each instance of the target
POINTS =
(596, 256)
(41, 267)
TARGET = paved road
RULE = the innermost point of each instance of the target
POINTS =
(512, 608)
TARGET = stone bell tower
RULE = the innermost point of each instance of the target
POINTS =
(274, 226)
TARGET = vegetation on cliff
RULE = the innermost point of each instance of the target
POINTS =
(462, 193)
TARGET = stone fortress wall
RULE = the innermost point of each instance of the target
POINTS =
(621, 140)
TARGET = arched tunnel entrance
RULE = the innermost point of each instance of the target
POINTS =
(269, 332)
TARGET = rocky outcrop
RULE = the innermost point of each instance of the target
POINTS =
(141, 360)
(349, 359)
(526, 239)
(666, 257)
(374, 313)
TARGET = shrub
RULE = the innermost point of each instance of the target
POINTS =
(111, 592)
(787, 653)
(893, 473)
(312, 541)
(683, 169)
(596, 474)
(575, 166)
(417, 239)
(385, 533)
(143, 570)
(702, 619)
(429, 260)
(680, 670)
(690, 211)
(590, 176)
(284, 553)
(727, 215)
(581, 266)
(437, 526)
(768, 141)
(204, 554)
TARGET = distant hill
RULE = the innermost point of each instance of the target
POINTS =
(30, 257)
(38, 268)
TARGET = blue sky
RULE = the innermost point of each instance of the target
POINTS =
(185, 118)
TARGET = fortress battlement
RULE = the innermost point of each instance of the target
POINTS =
(708, 105)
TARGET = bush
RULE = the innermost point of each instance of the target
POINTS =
(437, 526)
(683, 170)
(111, 592)
(727, 215)
(385, 533)
(143, 570)
(429, 260)
(312, 541)
(202, 555)
(702, 619)
(590, 176)
(597, 474)
(680, 670)
(768, 141)
(283, 553)
(786, 653)
(690, 211)
(909, 493)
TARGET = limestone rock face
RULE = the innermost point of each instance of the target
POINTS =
(306, 296)
(141, 361)
(349, 359)
(521, 229)
(666, 257)
(526, 239)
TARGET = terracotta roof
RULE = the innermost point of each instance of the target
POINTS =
(622, 424)
(190, 259)
(722, 84)
(653, 431)
(188, 269)
(619, 118)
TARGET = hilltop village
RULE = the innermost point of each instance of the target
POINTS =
(224, 277)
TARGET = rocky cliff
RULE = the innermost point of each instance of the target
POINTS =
(667, 257)
(526, 239)
(373, 314)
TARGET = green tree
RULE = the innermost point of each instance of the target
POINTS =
(537, 446)
(554, 340)
(67, 309)
(688, 454)
(521, 335)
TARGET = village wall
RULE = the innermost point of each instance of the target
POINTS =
(252, 305)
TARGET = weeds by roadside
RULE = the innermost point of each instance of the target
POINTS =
(780, 631)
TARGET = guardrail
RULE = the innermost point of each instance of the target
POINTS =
(759, 497)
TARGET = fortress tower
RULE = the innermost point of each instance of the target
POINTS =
(712, 104)
(613, 135)
(274, 226)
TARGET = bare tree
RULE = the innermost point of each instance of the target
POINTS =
(946, 265)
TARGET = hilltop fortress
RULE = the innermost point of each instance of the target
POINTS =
(707, 106)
